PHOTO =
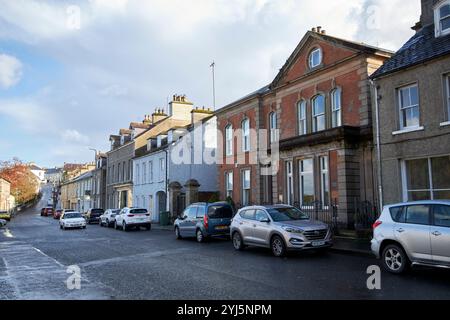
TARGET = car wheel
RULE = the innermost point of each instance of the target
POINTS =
(394, 259)
(107, 224)
(64, 227)
(200, 237)
(178, 234)
(278, 246)
(238, 244)
(148, 227)
(60, 226)
(124, 226)
(115, 225)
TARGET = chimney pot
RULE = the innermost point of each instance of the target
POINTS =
(319, 29)
(324, 32)
(313, 30)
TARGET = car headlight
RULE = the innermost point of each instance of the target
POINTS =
(292, 230)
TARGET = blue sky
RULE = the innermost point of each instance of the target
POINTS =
(64, 86)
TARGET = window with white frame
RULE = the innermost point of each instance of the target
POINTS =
(319, 113)
(150, 171)
(246, 135)
(426, 179)
(162, 166)
(442, 19)
(246, 185)
(336, 108)
(306, 168)
(324, 182)
(144, 173)
(273, 127)
(315, 58)
(447, 85)
(301, 111)
(138, 174)
(409, 107)
(229, 184)
(229, 140)
(289, 183)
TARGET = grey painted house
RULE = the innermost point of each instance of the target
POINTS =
(414, 111)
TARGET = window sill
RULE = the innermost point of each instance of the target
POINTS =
(407, 130)
(445, 124)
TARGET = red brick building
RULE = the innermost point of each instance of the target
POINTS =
(320, 105)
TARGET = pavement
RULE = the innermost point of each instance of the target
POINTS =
(37, 260)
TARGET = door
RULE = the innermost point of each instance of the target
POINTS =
(414, 232)
(440, 234)
(261, 230)
(246, 225)
(187, 225)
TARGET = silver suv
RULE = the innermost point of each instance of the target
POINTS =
(281, 228)
(413, 233)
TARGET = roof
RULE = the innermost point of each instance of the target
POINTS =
(422, 47)
(125, 131)
(254, 94)
(35, 167)
(2, 178)
(139, 125)
(83, 176)
(53, 170)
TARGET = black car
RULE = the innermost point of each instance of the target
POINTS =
(93, 215)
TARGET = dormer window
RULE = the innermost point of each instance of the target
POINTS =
(122, 140)
(315, 58)
(442, 19)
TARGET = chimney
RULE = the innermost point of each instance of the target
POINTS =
(180, 108)
(200, 114)
(324, 32)
(427, 16)
(314, 30)
(147, 120)
(319, 29)
(158, 115)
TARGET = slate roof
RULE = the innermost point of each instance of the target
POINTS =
(422, 47)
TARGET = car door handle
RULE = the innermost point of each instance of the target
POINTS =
(436, 233)
(241, 223)
(254, 226)
(400, 230)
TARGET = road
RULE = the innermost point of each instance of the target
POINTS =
(35, 254)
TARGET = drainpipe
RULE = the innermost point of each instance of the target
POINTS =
(378, 145)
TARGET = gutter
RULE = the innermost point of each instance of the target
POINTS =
(378, 144)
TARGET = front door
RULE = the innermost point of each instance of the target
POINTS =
(440, 234)
(414, 233)
(261, 230)
(188, 224)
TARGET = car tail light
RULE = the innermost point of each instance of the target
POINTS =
(377, 224)
(205, 221)
(130, 215)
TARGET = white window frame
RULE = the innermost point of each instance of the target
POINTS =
(302, 123)
(138, 173)
(144, 173)
(303, 173)
(150, 171)
(324, 180)
(229, 140)
(245, 125)
(336, 108)
(447, 85)
(244, 188)
(161, 169)
(273, 125)
(437, 20)
(229, 184)
(311, 58)
(402, 108)
(316, 116)
(290, 182)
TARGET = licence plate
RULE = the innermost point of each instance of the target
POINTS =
(318, 243)
(222, 228)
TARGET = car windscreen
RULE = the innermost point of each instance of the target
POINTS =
(287, 214)
(115, 211)
(138, 211)
(220, 212)
(97, 211)
(73, 215)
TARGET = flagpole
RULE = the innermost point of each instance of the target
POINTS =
(213, 65)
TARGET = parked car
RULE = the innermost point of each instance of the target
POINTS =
(281, 228)
(129, 218)
(93, 215)
(48, 211)
(413, 233)
(57, 214)
(3, 223)
(72, 220)
(108, 218)
(5, 215)
(204, 220)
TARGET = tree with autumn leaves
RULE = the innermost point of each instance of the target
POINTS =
(24, 185)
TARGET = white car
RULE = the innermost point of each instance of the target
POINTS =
(109, 218)
(133, 218)
(72, 220)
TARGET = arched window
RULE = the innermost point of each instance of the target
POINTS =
(442, 19)
(246, 135)
(318, 113)
(273, 127)
(336, 108)
(229, 140)
(301, 112)
(315, 58)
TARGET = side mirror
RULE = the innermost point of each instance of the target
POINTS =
(265, 220)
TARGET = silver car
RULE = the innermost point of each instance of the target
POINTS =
(281, 227)
(413, 233)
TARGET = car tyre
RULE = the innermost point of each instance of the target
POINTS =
(238, 243)
(124, 226)
(394, 259)
(278, 247)
(148, 227)
(199, 236)
(178, 234)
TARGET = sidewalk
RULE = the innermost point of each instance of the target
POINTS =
(341, 244)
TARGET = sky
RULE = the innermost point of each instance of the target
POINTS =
(74, 72)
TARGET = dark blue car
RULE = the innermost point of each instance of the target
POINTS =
(204, 220)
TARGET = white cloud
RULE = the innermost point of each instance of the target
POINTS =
(10, 71)
(73, 136)
(114, 90)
